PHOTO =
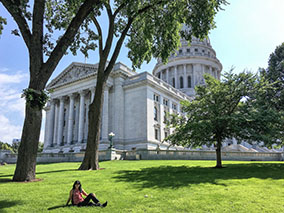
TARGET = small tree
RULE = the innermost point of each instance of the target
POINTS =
(227, 109)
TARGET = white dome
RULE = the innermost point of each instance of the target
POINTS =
(185, 68)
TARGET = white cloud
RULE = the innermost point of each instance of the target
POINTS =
(9, 131)
(12, 106)
(4, 69)
(14, 78)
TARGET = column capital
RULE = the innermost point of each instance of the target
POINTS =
(83, 92)
(62, 98)
(72, 95)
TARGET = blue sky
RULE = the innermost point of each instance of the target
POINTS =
(247, 32)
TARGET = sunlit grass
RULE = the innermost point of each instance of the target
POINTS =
(151, 186)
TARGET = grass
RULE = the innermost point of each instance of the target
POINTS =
(151, 186)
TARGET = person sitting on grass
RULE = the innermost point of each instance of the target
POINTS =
(77, 199)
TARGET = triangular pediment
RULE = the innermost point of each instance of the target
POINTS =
(74, 72)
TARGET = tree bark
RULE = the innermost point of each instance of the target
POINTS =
(27, 153)
(91, 158)
(218, 154)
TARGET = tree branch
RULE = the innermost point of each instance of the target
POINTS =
(119, 9)
(17, 14)
(118, 47)
(37, 26)
(122, 37)
(110, 32)
(100, 34)
(63, 44)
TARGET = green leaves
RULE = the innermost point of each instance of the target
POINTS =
(3, 22)
(36, 99)
(231, 108)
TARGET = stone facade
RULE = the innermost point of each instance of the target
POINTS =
(134, 106)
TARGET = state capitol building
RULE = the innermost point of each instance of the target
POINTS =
(135, 104)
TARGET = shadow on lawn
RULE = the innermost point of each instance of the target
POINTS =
(174, 177)
(6, 204)
(38, 173)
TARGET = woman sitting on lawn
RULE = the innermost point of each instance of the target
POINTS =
(77, 199)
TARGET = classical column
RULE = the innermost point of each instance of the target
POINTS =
(92, 94)
(81, 117)
(176, 80)
(105, 115)
(51, 123)
(194, 75)
(184, 76)
(211, 72)
(167, 76)
(55, 129)
(70, 119)
(161, 120)
(88, 102)
(170, 112)
(60, 121)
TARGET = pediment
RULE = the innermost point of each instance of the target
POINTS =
(74, 72)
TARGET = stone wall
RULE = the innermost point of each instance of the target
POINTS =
(207, 155)
(113, 154)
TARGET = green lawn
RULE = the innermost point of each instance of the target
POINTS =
(151, 186)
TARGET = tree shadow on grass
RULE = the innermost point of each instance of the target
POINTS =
(7, 204)
(175, 177)
(46, 172)
(5, 180)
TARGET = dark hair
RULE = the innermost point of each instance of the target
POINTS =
(77, 182)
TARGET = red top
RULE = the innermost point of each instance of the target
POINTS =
(77, 196)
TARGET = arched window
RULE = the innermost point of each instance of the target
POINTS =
(189, 81)
(174, 82)
(181, 82)
(155, 114)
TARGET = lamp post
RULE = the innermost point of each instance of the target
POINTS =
(110, 136)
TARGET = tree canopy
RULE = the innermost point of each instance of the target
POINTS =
(275, 74)
(227, 109)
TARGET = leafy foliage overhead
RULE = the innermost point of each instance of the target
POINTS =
(154, 25)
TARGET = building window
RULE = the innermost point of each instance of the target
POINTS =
(165, 116)
(181, 82)
(156, 134)
(155, 114)
(156, 98)
(166, 102)
(174, 82)
(174, 106)
(196, 50)
(166, 134)
(159, 75)
(180, 52)
(189, 81)
(188, 50)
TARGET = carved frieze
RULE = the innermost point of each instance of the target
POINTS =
(74, 73)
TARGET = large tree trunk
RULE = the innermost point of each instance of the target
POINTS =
(218, 154)
(27, 153)
(91, 158)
